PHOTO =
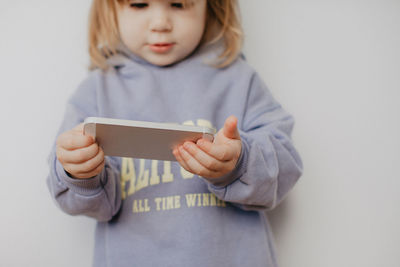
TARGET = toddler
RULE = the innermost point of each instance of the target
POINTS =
(175, 61)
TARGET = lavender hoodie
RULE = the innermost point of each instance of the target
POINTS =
(154, 213)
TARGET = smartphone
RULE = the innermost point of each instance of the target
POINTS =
(142, 139)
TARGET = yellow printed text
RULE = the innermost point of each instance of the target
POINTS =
(168, 203)
(203, 200)
(140, 205)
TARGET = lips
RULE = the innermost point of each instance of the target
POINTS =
(161, 47)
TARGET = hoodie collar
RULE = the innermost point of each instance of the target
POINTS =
(124, 57)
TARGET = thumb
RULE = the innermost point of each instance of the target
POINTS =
(230, 128)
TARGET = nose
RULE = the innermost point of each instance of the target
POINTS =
(161, 21)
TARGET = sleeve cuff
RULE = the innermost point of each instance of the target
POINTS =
(87, 186)
(236, 173)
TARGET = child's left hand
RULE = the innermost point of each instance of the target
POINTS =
(212, 160)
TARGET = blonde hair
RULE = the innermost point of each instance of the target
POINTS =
(222, 23)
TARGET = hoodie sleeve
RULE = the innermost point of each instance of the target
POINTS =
(269, 165)
(97, 197)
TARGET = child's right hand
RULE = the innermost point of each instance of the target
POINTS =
(80, 156)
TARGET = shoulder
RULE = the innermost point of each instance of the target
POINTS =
(243, 69)
(209, 56)
(240, 74)
(238, 68)
(89, 83)
(86, 92)
(96, 78)
(240, 65)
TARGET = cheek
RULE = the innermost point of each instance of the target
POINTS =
(191, 29)
(130, 29)
(122, 26)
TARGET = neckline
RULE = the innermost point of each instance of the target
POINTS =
(126, 57)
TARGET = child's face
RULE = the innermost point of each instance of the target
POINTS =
(162, 31)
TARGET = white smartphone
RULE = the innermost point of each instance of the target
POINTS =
(142, 139)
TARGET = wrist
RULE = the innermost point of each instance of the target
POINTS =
(76, 176)
(88, 186)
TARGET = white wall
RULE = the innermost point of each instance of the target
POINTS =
(334, 64)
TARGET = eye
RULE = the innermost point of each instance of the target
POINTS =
(138, 5)
(177, 5)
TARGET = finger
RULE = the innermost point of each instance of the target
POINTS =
(80, 155)
(79, 129)
(194, 165)
(221, 152)
(92, 173)
(230, 128)
(87, 166)
(71, 140)
(203, 158)
(180, 160)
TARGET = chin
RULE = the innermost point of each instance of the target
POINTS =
(162, 64)
(163, 61)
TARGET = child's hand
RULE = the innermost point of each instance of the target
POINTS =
(212, 160)
(80, 156)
